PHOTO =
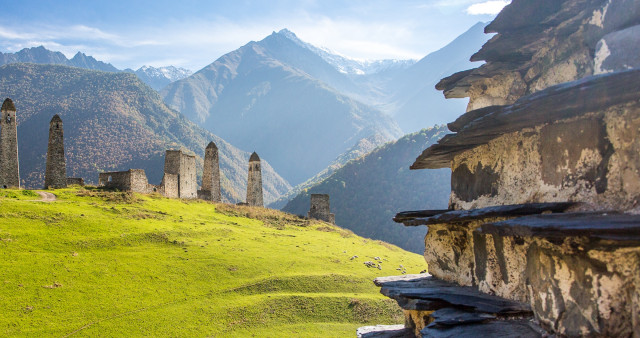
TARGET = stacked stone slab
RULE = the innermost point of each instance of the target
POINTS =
(183, 165)
(9, 168)
(545, 179)
(320, 208)
(254, 182)
(211, 175)
(56, 171)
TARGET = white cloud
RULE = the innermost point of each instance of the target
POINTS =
(488, 7)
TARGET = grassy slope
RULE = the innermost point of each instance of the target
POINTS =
(95, 263)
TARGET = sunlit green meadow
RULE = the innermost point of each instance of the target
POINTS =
(98, 263)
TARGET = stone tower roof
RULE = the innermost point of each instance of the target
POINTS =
(254, 157)
(8, 105)
(212, 145)
(56, 118)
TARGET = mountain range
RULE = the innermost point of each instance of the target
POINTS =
(156, 78)
(305, 106)
(112, 122)
(404, 89)
(367, 192)
(272, 96)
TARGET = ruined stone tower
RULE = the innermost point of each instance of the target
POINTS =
(56, 173)
(320, 208)
(254, 183)
(211, 175)
(178, 163)
(9, 172)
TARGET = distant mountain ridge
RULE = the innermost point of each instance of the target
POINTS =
(403, 89)
(272, 96)
(112, 122)
(156, 78)
(367, 192)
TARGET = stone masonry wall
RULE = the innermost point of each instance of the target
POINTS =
(138, 181)
(9, 169)
(535, 49)
(169, 186)
(56, 170)
(134, 180)
(120, 180)
(592, 159)
(320, 208)
(576, 286)
(184, 166)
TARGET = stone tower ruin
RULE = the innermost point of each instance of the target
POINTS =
(178, 163)
(9, 171)
(254, 183)
(320, 208)
(211, 175)
(56, 172)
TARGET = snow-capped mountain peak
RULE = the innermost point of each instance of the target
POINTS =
(345, 64)
(170, 72)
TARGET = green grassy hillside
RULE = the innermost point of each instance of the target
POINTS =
(97, 263)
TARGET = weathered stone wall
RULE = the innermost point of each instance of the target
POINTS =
(592, 159)
(184, 166)
(56, 170)
(134, 180)
(169, 186)
(537, 48)
(576, 286)
(254, 182)
(138, 181)
(9, 168)
(120, 180)
(211, 175)
(320, 208)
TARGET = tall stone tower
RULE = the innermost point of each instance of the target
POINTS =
(320, 208)
(178, 163)
(254, 183)
(9, 172)
(55, 175)
(211, 175)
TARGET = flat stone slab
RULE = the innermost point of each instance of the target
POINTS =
(427, 293)
(497, 328)
(383, 331)
(453, 316)
(607, 226)
(409, 215)
(459, 216)
(563, 101)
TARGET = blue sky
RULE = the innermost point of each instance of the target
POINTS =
(192, 34)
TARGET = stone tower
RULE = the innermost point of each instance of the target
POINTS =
(178, 163)
(254, 183)
(320, 208)
(56, 173)
(211, 174)
(9, 172)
